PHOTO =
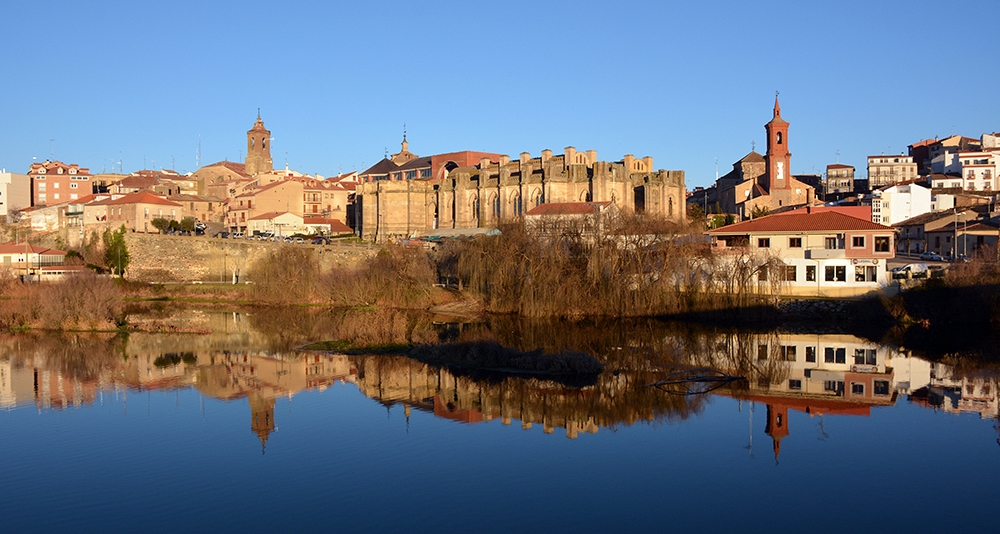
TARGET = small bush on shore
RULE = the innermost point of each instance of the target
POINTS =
(82, 301)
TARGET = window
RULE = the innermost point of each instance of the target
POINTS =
(761, 352)
(828, 355)
(830, 243)
(764, 242)
(836, 273)
(794, 242)
(835, 386)
(810, 273)
(790, 273)
(410, 175)
(425, 173)
(859, 356)
(55, 185)
(73, 186)
(762, 273)
(811, 354)
(794, 384)
(859, 273)
(880, 387)
(788, 353)
(857, 389)
(841, 355)
(858, 241)
(882, 243)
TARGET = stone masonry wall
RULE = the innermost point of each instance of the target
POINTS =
(163, 258)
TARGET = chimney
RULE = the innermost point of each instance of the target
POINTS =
(525, 157)
(546, 154)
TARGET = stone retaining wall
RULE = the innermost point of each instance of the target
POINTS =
(164, 258)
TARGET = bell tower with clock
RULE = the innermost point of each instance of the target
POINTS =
(777, 157)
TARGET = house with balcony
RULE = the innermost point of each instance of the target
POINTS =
(822, 253)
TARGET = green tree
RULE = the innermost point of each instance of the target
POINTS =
(187, 224)
(760, 211)
(116, 256)
(160, 223)
(174, 225)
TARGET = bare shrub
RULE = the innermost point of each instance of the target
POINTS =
(287, 275)
(633, 266)
(82, 301)
(399, 277)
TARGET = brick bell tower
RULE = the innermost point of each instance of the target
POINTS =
(258, 149)
(778, 157)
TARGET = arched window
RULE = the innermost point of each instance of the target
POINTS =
(670, 206)
(779, 137)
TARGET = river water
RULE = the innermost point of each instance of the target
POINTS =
(236, 430)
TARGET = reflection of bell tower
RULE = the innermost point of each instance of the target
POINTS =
(261, 417)
(777, 156)
(258, 149)
(777, 426)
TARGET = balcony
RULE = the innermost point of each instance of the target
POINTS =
(825, 253)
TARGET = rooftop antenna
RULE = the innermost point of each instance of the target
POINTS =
(753, 146)
(198, 160)
(838, 155)
(386, 152)
(53, 143)
(173, 164)
(716, 169)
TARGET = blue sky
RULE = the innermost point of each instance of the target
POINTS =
(684, 82)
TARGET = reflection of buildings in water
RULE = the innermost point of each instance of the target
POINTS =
(935, 385)
(812, 374)
(27, 381)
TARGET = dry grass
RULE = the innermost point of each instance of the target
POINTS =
(81, 302)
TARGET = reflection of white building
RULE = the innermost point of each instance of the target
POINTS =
(842, 366)
(934, 385)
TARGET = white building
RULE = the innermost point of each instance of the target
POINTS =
(888, 170)
(897, 203)
(15, 192)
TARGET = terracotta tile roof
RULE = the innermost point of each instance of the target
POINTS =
(752, 157)
(11, 248)
(263, 188)
(567, 208)
(139, 182)
(800, 222)
(238, 168)
(336, 226)
(971, 226)
(839, 166)
(268, 215)
(193, 198)
(142, 197)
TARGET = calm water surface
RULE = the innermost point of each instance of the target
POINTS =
(238, 431)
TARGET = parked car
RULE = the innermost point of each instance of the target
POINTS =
(223, 234)
(299, 240)
(237, 235)
(911, 270)
(961, 258)
(320, 240)
(931, 256)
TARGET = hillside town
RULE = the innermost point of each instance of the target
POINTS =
(835, 234)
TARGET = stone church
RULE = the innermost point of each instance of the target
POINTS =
(758, 181)
(454, 194)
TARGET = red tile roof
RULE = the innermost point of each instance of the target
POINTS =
(800, 222)
(238, 168)
(568, 208)
(839, 166)
(142, 197)
(269, 215)
(10, 248)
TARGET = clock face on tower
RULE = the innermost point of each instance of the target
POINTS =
(781, 170)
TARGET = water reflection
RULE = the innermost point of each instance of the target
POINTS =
(249, 357)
